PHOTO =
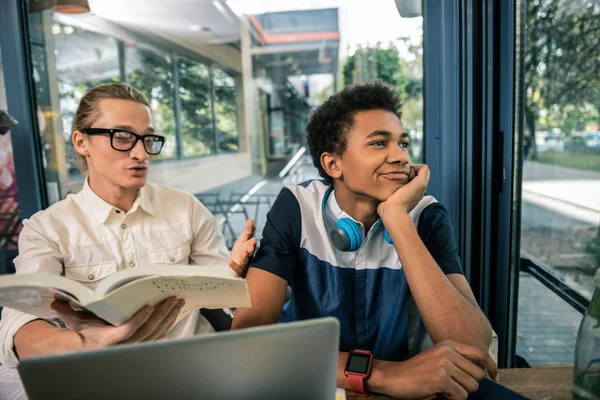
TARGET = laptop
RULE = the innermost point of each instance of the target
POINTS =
(284, 361)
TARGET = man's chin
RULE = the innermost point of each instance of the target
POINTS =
(134, 183)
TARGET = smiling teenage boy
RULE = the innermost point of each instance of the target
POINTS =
(358, 244)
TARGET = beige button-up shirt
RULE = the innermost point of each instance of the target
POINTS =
(86, 239)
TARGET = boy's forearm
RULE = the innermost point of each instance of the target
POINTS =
(446, 312)
(39, 337)
(267, 295)
(250, 317)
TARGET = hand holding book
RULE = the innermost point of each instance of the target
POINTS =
(149, 323)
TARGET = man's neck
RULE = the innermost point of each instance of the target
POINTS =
(361, 208)
(116, 196)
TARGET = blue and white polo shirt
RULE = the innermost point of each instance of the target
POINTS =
(366, 290)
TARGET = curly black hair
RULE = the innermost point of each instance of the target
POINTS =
(330, 122)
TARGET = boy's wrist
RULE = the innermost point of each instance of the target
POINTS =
(375, 383)
(397, 221)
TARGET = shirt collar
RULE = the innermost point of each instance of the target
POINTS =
(100, 209)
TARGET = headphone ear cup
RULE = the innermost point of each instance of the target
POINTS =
(352, 231)
(339, 239)
(387, 236)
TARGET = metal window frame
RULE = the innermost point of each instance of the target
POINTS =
(26, 143)
(441, 101)
(552, 282)
(213, 111)
(469, 146)
(505, 225)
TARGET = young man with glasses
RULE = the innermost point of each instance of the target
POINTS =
(117, 221)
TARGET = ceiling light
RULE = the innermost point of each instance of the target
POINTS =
(68, 30)
(71, 6)
(56, 29)
(195, 28)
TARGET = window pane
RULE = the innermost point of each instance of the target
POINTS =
(67, 62)
(10, 217)
(225, 111)
(546, 334)
(561, 172)
(196, 113)
(84, 60)
(152, 73)
(252, 115)
(561, 151)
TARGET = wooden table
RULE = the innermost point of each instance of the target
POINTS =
(533, 383)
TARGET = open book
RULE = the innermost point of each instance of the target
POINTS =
(118, 297)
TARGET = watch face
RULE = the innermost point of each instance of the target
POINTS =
(358, 363)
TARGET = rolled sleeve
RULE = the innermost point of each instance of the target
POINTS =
(280, 242)
(37, 253)
(438, 236)
(12, 321)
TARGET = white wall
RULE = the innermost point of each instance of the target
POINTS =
(201, 174)
(195, 175)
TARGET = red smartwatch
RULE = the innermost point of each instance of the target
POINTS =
(358, 368)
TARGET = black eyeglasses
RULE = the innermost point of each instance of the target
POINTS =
(122, 140)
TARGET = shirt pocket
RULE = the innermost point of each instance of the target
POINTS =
(174, 255)
(90, 273)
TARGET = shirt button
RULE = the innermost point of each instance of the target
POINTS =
(132, 264)
(118, 211)
(123, 226)
(91, 277)
(172, 259)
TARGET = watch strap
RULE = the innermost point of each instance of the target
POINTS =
(357, 383)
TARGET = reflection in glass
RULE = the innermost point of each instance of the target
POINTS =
(561, 173)
(196, 113)
(10, 217)
(84, 60)
(560, 218)
(152, 74)
(545, 334)
(225, 111)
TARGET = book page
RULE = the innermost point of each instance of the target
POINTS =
(33, 300)
(198, 292)
(128, 275)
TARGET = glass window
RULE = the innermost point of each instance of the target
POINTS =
(10, 217)
(399, 64)
(67, 61)
(225, 111)
(84, 60)
(560, 215)
(152, 73)
(203, 99)
(544, 334)
(197, 131)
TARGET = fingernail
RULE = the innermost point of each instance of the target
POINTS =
(181, 303)
(148, 309)
(172, 301)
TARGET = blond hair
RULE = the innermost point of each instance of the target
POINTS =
(89, 108)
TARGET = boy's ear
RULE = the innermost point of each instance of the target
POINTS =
(331, 163)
